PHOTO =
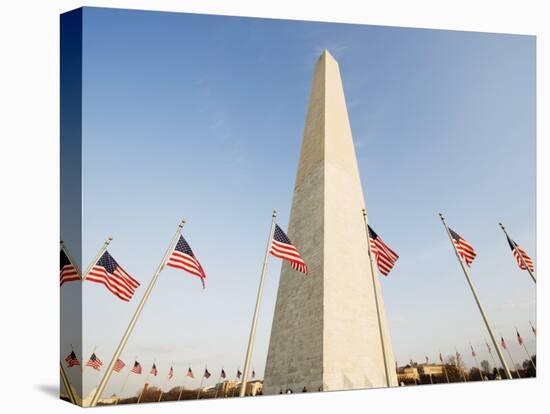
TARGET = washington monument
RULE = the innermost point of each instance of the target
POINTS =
(325, 333)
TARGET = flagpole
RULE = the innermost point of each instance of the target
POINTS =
(134, 319)
(202, 380)
(511, 359)
(257, 308)
(457, 356)
(493, 359)
(219, 382)
(123, 386)
(474, 293)
(474, 355)
(519, 254)
(67, 384)
(165, 382)
(143, 389)
(375, 290)
(446, 375)
(71, 259)
(182, 386)
(97, 257)
(527, 352)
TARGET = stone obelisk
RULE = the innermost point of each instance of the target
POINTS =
(325, 332)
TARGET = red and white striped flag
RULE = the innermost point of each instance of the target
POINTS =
(182, 257)
(137, 368)
(520, 339)
(110, 274)
(519, 254)
(282, 247)
(68, 272)
(190, 373)
(385, 257)
(171, 373)
(473, 352)
(502, 342)
(72, 360)
(119, 364)
(94, 362)
(154, 371)
(463, 248)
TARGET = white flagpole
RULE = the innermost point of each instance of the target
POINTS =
(376, 300)
(134, 319)
(527, 352)
(165, 382)
(67, 384)
(477, 363)
(252, 336)
(202, 380)
(123, 386)
(183, 385)
(457, 356)
(97, 257)
(494, 362)
(520, 255)
(511, 360)
(474, 293)
(143, 389)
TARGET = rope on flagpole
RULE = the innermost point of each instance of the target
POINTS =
(252, 336)
(376, 301)
(134, 319)
(480, 307)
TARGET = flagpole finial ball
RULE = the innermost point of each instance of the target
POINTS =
(109, 240)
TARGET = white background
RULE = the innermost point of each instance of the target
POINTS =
(29, 223)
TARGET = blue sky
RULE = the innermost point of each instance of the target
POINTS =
(202, 117)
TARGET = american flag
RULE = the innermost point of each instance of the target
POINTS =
(463, 248)
(502, 342)
(385, 257)
(170, 373)
(222, 375)
(282, 247)
(519, 253)
(67, 271)
(239, 373)
(72, 360)
(94, 362)
(183, 258)
(137, 368)
(119, 364)
(154, 371)
(190, 373)
(533, 329)
(520, 339)
(110, 274)
(206, 374)
(473, 352)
